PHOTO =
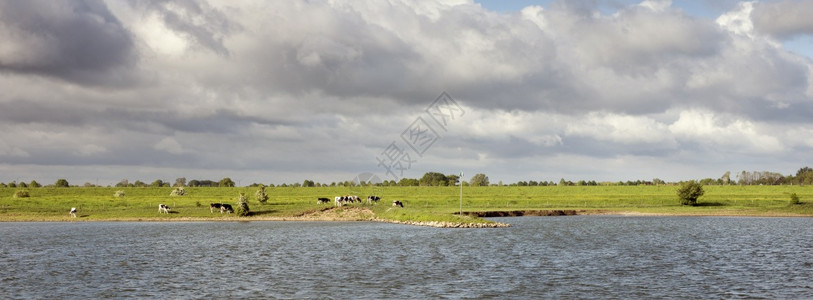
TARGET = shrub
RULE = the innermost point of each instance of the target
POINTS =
(21, 194)
(62, 183)
(261, 196)
(119, 194)
(242, 205)
(794, 199)
(178, 191)
(689, 191)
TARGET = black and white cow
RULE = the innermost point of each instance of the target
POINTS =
(341, 200)
(322, 200)
(226, 208)
(371, 199)
(397, 203)
(73, 212)
(213, 206)
(163, 209)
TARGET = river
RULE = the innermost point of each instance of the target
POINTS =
(602, 257)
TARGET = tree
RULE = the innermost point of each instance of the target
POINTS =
(726, 179)
(226, 182)
(157, 183)
(62, 183)
(689, 191)
(479, 179)
(180, 182)
(452, 180)
(34, 184)
(261, 195)
(308, 183)
(408, 182)
(803, 170)
(242, 205)
(434, 179)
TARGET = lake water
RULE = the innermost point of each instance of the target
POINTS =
(539, 257)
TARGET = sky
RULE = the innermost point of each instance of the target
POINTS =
(283, 91)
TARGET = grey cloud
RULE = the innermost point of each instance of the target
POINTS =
(78, 41)
(783, 19)
(321, 87)
(199, 22)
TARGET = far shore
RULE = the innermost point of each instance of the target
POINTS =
(425, 206)
(366, 215)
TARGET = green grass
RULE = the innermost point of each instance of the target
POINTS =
(421, 203)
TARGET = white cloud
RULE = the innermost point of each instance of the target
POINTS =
(783, 19)
(170, 145)
(724, 133)
(290, 81)
(656, 5)
(739, 21)
(624, 129)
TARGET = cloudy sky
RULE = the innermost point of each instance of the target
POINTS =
(282, 91)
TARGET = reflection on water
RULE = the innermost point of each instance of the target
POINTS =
(548, 257)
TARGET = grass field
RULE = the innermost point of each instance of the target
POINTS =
(421, 203)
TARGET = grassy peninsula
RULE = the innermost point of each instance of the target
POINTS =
(422, 204)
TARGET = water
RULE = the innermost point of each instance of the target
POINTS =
(539, 257)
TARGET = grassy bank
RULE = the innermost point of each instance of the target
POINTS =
(421, 203)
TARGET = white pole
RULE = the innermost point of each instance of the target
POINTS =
(461, 193)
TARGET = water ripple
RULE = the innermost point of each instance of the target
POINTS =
(544, 257)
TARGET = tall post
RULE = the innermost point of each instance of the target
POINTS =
(461, 193)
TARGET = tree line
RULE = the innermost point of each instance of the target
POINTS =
(804, 176)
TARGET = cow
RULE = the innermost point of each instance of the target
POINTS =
(339, 200)
(322, 200)
(352, 198)
(397, 203)
(213, 206)
(371, 199)
(163, 209)
(73, 212)
(226, 208)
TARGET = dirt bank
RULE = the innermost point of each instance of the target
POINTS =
(521, 213)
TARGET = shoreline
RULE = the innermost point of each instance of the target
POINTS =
(366, 215)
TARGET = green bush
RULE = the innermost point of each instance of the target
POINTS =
(62, 183)
(794, 199)
(178, 191)
(21, 194)
(689, 191)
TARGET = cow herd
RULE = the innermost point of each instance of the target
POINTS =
(350, 199)
(227, 208)
(222, 207)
